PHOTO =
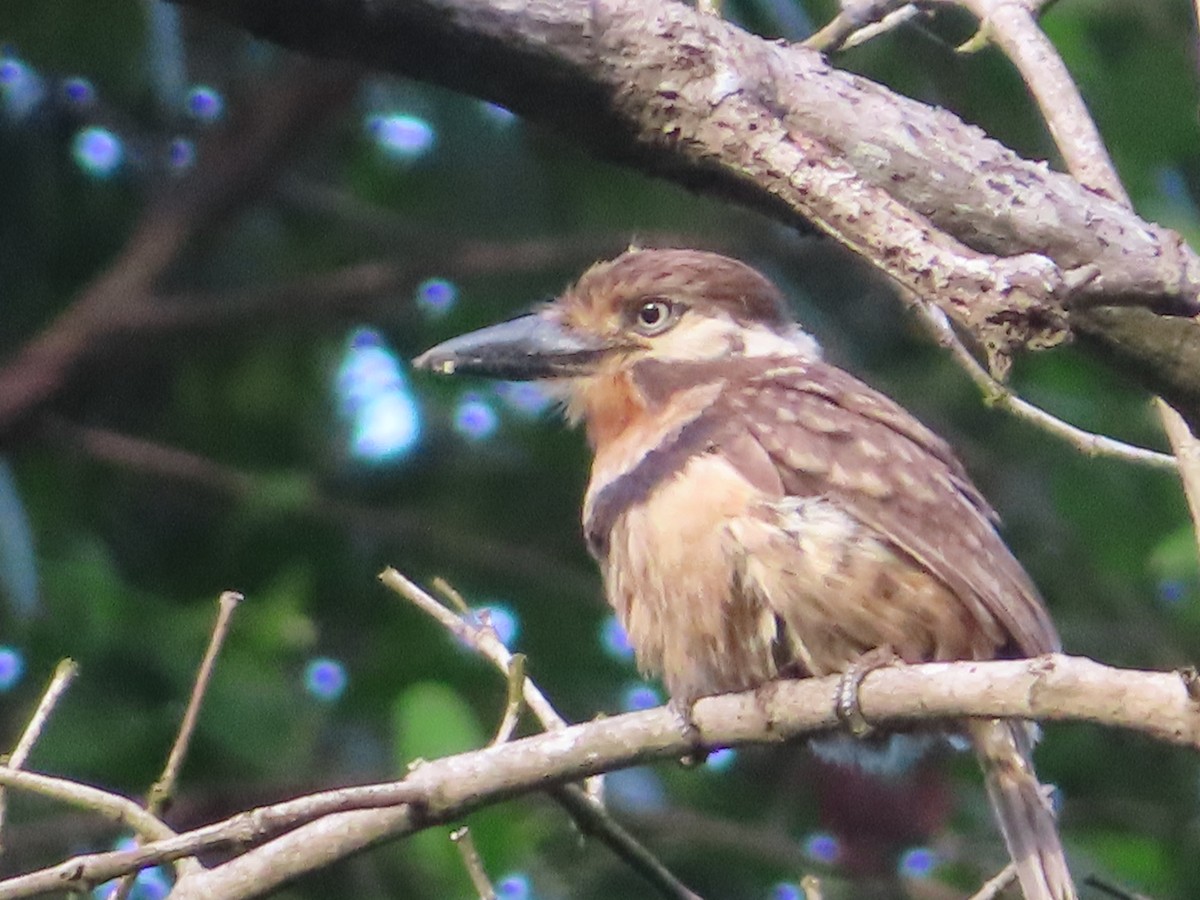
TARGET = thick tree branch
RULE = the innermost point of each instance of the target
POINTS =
(1016, 253)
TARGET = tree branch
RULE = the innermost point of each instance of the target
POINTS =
(1056, 688)
(1017, 254)
(325, 827)
(1015, 30)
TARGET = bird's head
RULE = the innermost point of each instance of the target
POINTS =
(641, 311)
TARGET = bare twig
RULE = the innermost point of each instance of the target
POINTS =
(164, 788)
(117, 809)
(473, 864)
(1015, 30)
(483, 641)
(585, 807)
(1187, 455)
(892, 20)
(994, 392)
(161, 793)
(853, 17)
(514, 701)
(991, 888)
(459, 602)
(591, 818)
(1196, 4)
(64, 674)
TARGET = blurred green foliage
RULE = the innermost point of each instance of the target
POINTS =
(240, 472)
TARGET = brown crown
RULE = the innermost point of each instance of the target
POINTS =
(696, 277)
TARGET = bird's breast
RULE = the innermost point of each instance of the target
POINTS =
(671, 578)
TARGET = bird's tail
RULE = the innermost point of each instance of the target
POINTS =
(1022, 808)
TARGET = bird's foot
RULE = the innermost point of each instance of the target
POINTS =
(847, 705)
(682, 708)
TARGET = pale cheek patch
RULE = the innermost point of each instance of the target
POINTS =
(714, 336)
(696, 338)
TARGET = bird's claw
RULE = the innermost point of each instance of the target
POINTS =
(682, 708)
(847, 705)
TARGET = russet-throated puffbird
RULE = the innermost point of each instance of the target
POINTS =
(758, 513)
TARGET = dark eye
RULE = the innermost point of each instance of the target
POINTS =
(654, 316)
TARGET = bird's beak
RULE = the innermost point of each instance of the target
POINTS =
(523, 349)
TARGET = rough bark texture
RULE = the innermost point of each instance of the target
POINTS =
(1015, 253)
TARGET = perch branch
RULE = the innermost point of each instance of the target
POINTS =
(1056, 687)
(1051, 687)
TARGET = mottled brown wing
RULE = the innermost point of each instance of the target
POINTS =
(831, 435)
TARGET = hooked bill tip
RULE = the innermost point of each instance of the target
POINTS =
(430, 363)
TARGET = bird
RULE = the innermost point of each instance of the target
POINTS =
(759, 513)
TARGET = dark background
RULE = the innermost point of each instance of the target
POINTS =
(252, 424)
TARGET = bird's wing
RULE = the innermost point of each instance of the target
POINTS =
(830, 435)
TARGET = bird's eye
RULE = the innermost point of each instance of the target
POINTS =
(654, 316)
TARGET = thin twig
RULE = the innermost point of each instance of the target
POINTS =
(163, 789)
(585, 807)
(161, 793)
(1197, 6)
(1016, 32)
(991, 888)
(447, 590)
(114, 807)
(514, 701)
(591, 818)
(64, 674)
(890, 22)
(1087, 442)
(473, 864)
(1187, 455)
(486, 644)
(851, 18)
